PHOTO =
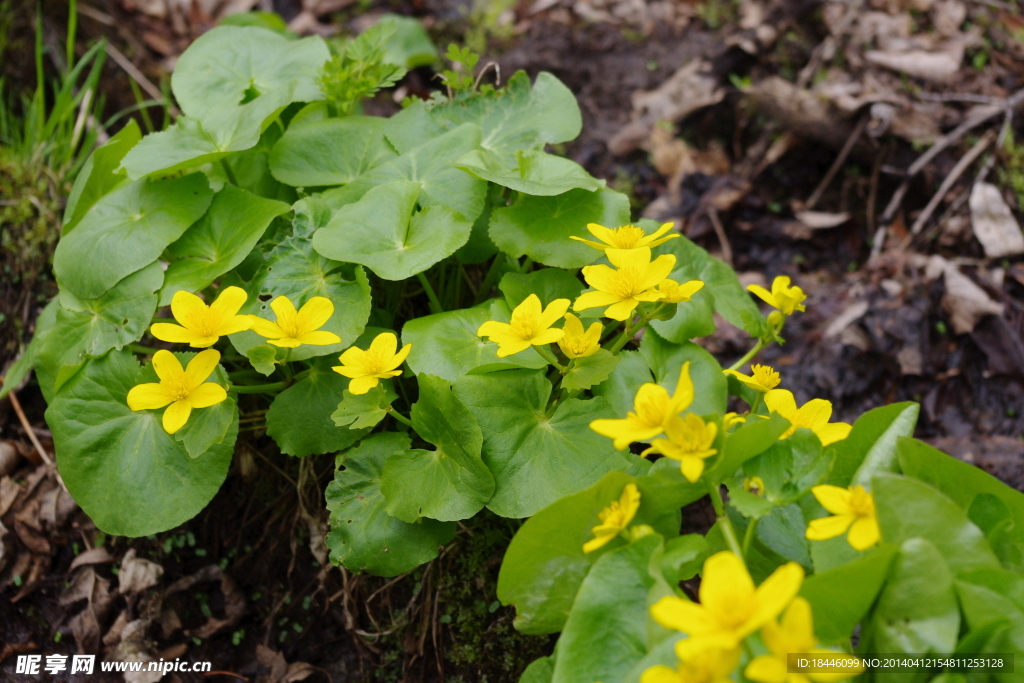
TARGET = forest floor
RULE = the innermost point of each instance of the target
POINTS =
(776, 133)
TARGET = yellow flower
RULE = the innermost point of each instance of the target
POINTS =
(762, 378)
(579, 344)
(730, 607)
(294, 328)
(614, 518)
(652, 408)
(622, 290)
(783, 297)
(852, 509)
(529, 326)
(754, 485)
(367, 368)
(689, 441)
(793, 635)
(730, 420)
(625, 237)
(813, 415)
(674, 293)
(707, 666)
(202, 325)
(180, 390)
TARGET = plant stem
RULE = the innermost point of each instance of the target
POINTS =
(750, 354)
(723, 518)
(749, 536)
(489, 278)
(259, 388)
(435, 303)
(139, 348)
(546, 354)
(401, 418)
(228, 172)
(623, 338)
(756, 404)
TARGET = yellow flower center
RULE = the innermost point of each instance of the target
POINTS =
(627, 236)
(862, 504)
(734, 610)
(376, 362)
(627, 282)
(576, 345)
(613, 515)
(523, 327)
(178, 388)
(765, 376)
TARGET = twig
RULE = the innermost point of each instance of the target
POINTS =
(838, 163)
(139, 77)
(28, 428)
(720, 231)
(980, 146)
(959, 97)
(831, 44)
(224, 673)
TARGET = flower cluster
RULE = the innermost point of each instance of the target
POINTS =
(731, 608)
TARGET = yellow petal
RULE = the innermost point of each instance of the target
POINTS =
(284, 308)
(606, 235)
(201, 367)
(383, 345)
(599, 541)
(774, 594)
(638, 258)
(815, 413)
(724, 582)
(399, 358)
(189, 310)
(549, 336)
(658, 271)
(593, 335)
(148, 397)
(529, 309)
(833, 432)
(354, 358)
(360, 385)
(319, 338)
(781, 401)
(828, 527)
(315, 313)
(176, 334)
(833, 498)
(780, 284)
(594, 300)
(167, 367)
(763, 294)
(766, 669)
(285, 342)
(621, 310)
(265, 328)
(512, 347)
(348, 371)
(864, 533)
(600, 277)
(692, 467)
(662, 229)
(573, 327)
(554, 312)
(493, 327)
(176, 416)
(206, 395)
(625, 431)
(589, 243)
(660, 674)
(228, 303)
(235, 324)
(682, 615)
(683, 395)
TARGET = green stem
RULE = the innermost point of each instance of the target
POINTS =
(546, 354)
(527, 265)
(750, 354)
(435, 303)
(756, 404)
(489, 278)
(259, 388)
(623, 338)
(748, 537)
(228, 172)
(723, 518)
(139, 348)
(401, 418)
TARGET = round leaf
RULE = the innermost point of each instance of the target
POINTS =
(309, 155)
(531, 172)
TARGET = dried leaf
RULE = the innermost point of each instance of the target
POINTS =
(94, 556)
(850, 315)
(234, 599)
(993, 223)
(817, 220)
(937, 66)
(10, 456)
(137, 574)
(965, 301)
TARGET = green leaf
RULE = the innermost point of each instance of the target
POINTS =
(590, 370)
(299, 419)
(99, 174)
(429, 165)
(210, 426)
(531, 172)
(126, 231)
(409, 46)
(991, 596)
(606, 632)
(91, 327)
(958, 480)
(363, 536)
(218, 241)
(684, 556)
(782, 532)
(446, 345)
(917, 610)
(662, 654)
(536, 458)
(871, 446)
(309, 155)
(545, 563)
(621, 386)
(447, 484)
(268, 20)
(383, 232)
(263, 358)
(293, 269)
(747, 504)
(18, 371)
(694, 318)
(730, 299)
(479, 247)
(364, 410)
(229, 66)
(749, 441)
(540, 227)
(512, 118)
(121, 467)
(547, 283)
(841, 597)
(908, 508)
(539, 671)
(666, 360)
